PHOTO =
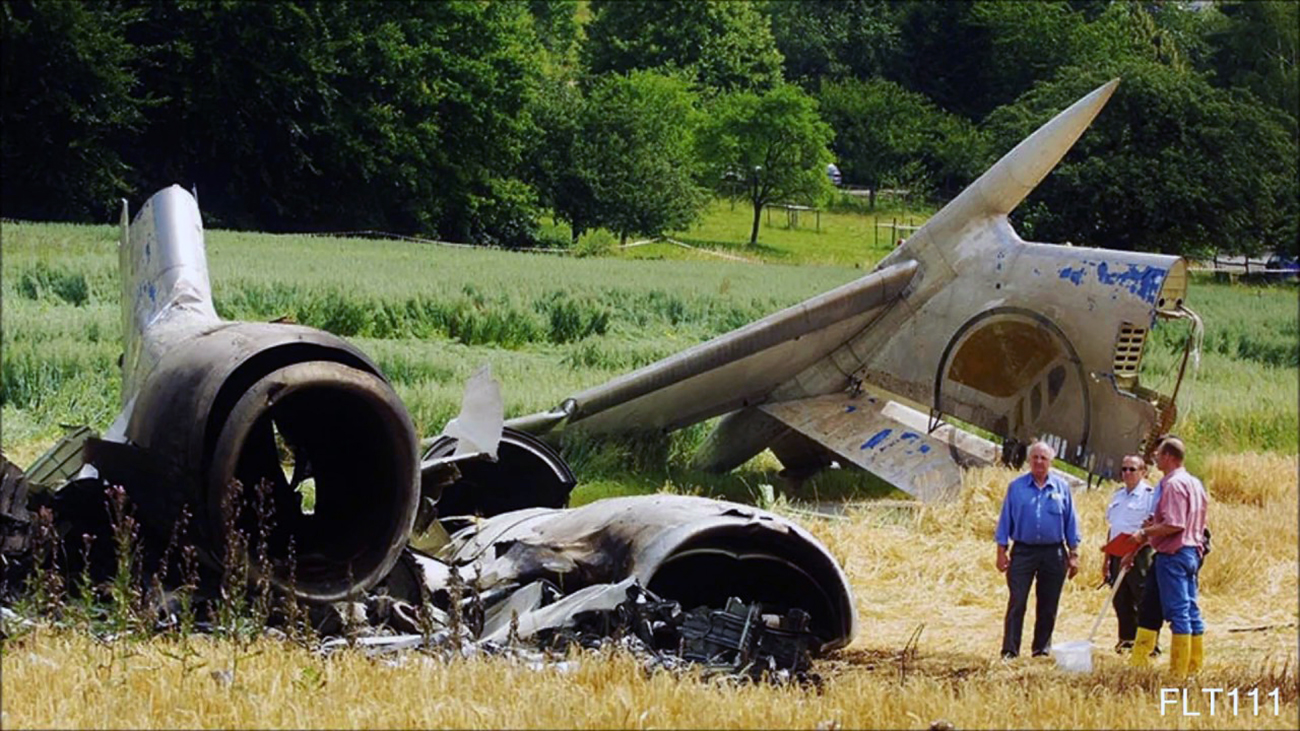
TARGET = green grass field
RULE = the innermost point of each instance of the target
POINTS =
(845, 235)
(553, 324)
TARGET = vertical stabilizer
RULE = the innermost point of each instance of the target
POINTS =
(165, 287)
(1004, 185)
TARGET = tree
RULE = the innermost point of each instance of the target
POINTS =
(405, 116)
(942, 55)
(833, 38)
(972, 57)
(1026, 43)
(775, 143)
(622, 157)
(70, 98)
(722, 45)
(1169, 34)
(1257, 49)
(885, 134)
(556, 23)
(637, 151)
(1171, 164)
(559, 110)
(431, 122)
(237, 109)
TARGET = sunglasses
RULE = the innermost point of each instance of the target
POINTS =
(1130, 469)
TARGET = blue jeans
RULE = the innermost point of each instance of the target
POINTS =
(1176, 574)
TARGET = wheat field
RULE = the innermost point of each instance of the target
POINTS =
(930, 567)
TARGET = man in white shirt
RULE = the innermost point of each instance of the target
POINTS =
(1132, 503)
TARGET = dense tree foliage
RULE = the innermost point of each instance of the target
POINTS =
(1257, 49)
(770, 147)
(432, 122)
(470, 120)
(723, 45)
(622, 157)
(887, 136)
(556, 22)
(637, 149)
(71, 100)
(834, 38)
(283, 115)
(235, 112)
(558, 109)
(942, 55)
(1173, 165)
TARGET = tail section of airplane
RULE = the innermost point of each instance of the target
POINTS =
(212, 409)
(1024, 340)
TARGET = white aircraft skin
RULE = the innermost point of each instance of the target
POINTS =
(964, 319)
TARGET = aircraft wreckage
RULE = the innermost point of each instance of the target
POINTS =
(964, 320)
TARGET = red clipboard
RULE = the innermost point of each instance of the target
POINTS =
(1123, 545)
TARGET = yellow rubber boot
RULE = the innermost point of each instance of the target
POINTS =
(1143, 644)
(1180, 654)
(1196, 654)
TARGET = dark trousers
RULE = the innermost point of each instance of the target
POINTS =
(1150, 614)
(1047, 565)
(1128, 598)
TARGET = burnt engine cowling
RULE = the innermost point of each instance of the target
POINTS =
(285, 434)
(527, 473)
(692, 550)
(234, 421)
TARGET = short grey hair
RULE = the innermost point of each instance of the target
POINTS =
(1044, 447)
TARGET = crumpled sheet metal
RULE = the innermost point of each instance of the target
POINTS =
(693, 550)
(538, 616)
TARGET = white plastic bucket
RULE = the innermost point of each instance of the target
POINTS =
(1074, 656)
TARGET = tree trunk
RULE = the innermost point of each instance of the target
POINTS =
(753, 232)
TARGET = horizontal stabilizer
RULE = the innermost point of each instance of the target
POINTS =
(859, 430)
(893, 441)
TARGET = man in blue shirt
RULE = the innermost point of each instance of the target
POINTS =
(1038, 519)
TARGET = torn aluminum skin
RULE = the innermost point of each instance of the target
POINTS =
(692, 550)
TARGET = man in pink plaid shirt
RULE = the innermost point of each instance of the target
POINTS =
(1177, 534)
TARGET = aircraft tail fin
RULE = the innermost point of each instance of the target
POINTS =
(1006, 184)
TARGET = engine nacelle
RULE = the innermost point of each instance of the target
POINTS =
(237, 420)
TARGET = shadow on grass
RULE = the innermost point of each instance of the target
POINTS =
(650, 463)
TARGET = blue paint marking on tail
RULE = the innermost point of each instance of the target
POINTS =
(1141, 281)
(876, 439)
(850, 409)
(925, 448)
(1074, 275)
